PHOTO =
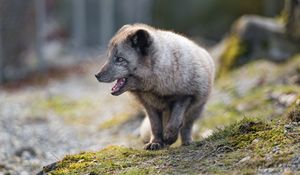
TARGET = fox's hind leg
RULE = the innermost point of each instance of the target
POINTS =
(191, 115)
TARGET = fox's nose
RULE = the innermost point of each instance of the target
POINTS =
(97, 76)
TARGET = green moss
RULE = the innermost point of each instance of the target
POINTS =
(256, 139)
(84, 110)
(234, 49)
(110, 160)
(65, 106)
(283, 17)
(293, 113)
(219, 154)
(117, 120)
(136, 171)
(73, 111)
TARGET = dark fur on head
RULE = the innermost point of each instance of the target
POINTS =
(141, 41)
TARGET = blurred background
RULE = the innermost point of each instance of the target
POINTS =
(37, 34)
(51, 105)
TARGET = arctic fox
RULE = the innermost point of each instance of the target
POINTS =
(169, 74)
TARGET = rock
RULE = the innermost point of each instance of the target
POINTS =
(265, 38)
(47, 168)
(254, 37)
(26, 152)
(24, 173)
(276, 150)
(244, 159)
(285, 99)
(294, 115)
(256, 140)
(207, 133)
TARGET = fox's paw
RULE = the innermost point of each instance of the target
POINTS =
(153, 146)
(170, 136)
(186, 143)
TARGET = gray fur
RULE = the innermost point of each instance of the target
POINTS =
(169, 74)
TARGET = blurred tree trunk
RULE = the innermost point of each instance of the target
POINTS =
(79, 24)
(40, 19)
(292, 10)
(1, 61)
(16, 33)
(106, 20)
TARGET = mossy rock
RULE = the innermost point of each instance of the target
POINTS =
(234, 49)
(254, 37)
(248, 146)
(294, 111)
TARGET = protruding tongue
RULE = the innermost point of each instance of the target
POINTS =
(118, 85)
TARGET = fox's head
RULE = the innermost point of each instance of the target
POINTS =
(128, 59)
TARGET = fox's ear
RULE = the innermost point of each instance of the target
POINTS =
(141, 41)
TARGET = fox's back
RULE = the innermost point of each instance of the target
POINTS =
(182, 66)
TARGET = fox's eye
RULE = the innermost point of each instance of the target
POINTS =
(120, 59)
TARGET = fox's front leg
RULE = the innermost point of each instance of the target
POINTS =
(156, 141)
(175, 121)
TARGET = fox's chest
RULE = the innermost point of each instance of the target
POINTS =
(156, 101)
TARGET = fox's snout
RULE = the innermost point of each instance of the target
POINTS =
(98, 76)
(106, 74)
(103, 77)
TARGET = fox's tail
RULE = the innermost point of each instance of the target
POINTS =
(145, 130)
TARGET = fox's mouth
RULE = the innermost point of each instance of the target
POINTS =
(117, 88)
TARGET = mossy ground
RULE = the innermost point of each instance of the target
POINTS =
(263, 94)
(254, 131)
(246, 146)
